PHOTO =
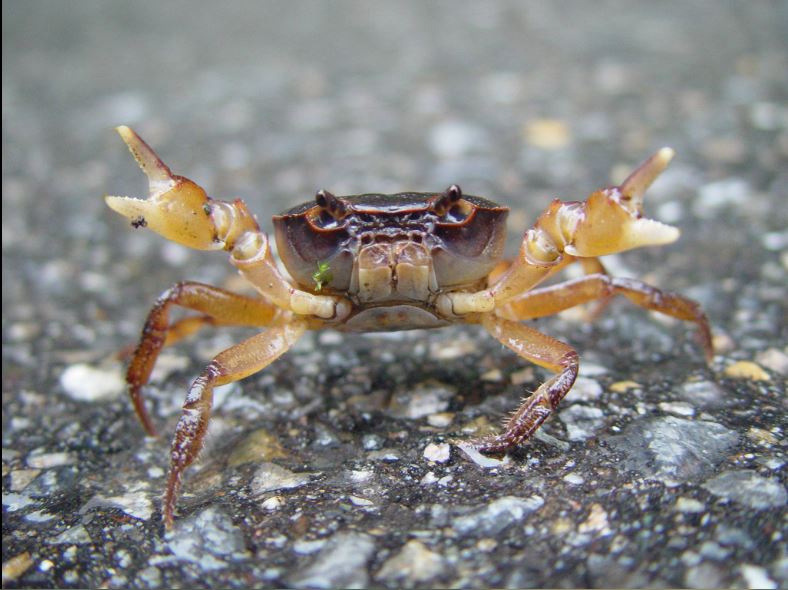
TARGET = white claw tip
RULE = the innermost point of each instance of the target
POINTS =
(664, 156)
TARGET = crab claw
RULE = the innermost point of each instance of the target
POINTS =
(613, 217)
(176, 208)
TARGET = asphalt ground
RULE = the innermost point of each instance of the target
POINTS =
(337, 465)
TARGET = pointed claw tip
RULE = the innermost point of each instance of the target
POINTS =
(126, 133)
(665, 155)
(647, 232)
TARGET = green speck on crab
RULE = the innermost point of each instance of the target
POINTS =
(322, 275)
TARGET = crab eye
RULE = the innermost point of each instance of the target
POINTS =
(450, 207)
(330, 212)
(442, 203)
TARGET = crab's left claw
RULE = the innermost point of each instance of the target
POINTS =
(176, 208)
(614, 219)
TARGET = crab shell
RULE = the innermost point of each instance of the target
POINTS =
(386, 248)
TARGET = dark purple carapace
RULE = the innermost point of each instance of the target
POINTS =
(463, 235)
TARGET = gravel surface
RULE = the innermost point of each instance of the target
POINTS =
(339, 464)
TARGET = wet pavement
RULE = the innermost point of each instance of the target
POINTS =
(339, 464)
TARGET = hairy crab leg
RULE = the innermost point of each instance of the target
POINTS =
(550, 300)
(544, 351)
(217, 304)
(233, 364)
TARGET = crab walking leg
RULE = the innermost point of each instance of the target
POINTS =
(544, 351)
(218, 305)
(594, 266)
(233, 364)
(550, 300)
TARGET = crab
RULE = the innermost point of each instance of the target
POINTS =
(375, 262)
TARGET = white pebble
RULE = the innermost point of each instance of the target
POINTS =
(437, 452)
(86, 383)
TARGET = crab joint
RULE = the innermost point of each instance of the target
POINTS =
(453, 304)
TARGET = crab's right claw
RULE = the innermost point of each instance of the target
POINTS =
(176, 208)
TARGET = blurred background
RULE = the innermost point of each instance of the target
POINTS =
(270, 101)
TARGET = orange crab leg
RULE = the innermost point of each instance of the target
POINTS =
(233, 364)
(544, 351)
(550, 300)
(218, 305)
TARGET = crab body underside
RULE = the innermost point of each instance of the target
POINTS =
(387, 262)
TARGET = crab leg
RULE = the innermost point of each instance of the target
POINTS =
(218, 305)
(553, 299)
(544, 351)
(233, 364)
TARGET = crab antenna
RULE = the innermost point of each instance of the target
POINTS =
(443, 202)
(160, 178)
(333, 205)
(635, 185)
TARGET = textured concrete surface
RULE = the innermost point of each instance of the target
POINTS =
(337, 465)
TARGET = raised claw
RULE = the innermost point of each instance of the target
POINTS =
(176, 208)
(613, 218)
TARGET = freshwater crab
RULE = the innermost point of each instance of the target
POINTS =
(377, 262)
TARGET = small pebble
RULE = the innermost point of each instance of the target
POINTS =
(452, 139)
(774, 359)
(586, 390)
(134, 504)
(719, 194)
(441, 419)
(689, 505)
(16, 566)
(446, 351)
(596, 523)
(87, 383)
(437, 452)
(361, 475)
(48, 460)
(493, 376)
(761, 436)
(22, 477)
(757, 577)
(522, 376)
(548, 134)
(677, 408)
(749, 489)
(498, 515)
(341, 563)
(273, 503)
(722, 343)
(76, 535)
(422, 401)
(480, 459)
(270, 477)
(413, 563)
(624, 386)
(167, 364)
(574, 479)
(746, 370)
(486, 545)
(429, 478)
